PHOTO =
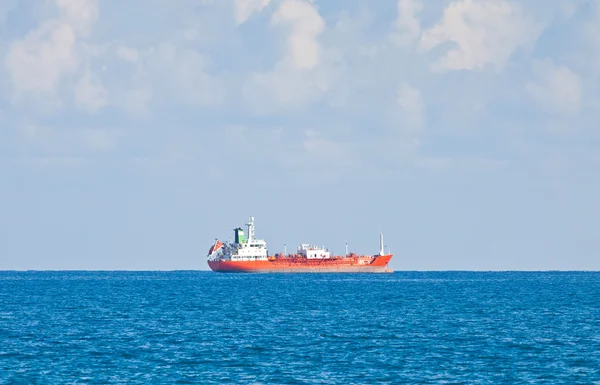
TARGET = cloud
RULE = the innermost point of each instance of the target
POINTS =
(557, 89)
(37, 63)
(304, 50)
(90, 94)
(40, 135)
(126, 53)
(325, 150)
(485, 32)
(177, 74)
(346, 67)
(411, 105)
(299, 77)
(316, 156)
(166, 73)
(286, 89)
(99, 139)
(61, 141)
(243, 9)
(80, 14)
(136, 101)
(407, 27)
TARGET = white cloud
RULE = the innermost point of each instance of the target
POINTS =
(299, 77)
(37, 63)
(325, 161)
(80, 14)
(68, 141)
(304, 49)
(243, 9)
(286, 88)
(66, 146)
(484, 32)
(180, 74)
(326, 150)
(557, 89)
(411, 103)
(407, 27)
(137, 100)
(99, 139)
(90, 94)
(40, 135)
(126, 53)
(167, 73)
(349, 61)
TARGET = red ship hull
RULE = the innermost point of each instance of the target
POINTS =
(376, 264)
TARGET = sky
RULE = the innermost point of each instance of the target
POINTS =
(132, 134)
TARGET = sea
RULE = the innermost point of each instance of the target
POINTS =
(199, 327)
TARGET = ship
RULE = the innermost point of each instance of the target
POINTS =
(250, 255)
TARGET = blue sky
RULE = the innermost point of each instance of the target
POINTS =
(132, 134)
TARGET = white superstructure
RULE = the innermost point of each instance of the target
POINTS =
(242, 249)
(313, 252)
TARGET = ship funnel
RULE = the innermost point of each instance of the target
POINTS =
(239, 235)
(381, 251)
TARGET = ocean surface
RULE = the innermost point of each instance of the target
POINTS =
(211, 328)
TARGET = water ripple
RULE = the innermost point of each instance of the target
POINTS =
(208, 328)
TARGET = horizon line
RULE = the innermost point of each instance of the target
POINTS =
(395, 271)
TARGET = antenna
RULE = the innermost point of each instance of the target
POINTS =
(250, 225)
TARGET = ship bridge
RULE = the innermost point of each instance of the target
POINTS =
(247, 249)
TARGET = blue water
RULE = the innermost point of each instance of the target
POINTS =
(210, 328)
